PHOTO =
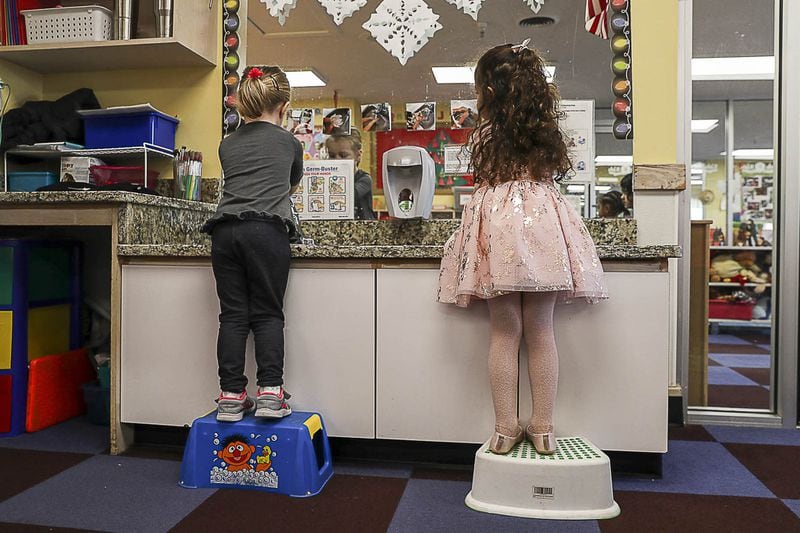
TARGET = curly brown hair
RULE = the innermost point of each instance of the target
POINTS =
(518, 136)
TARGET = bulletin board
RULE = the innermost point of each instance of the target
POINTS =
(434, 141)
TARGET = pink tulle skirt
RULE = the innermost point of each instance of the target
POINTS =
(520, 236)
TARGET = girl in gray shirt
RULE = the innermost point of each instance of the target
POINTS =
(262, 165)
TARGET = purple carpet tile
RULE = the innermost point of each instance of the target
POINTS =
(699, 468)
(742, 360)
(779, 436)
(794, 505)
(726, 339)
(76, 435)
(722, 375)
(108, 493)
(438, 506)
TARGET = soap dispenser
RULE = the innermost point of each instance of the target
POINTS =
(409, 182)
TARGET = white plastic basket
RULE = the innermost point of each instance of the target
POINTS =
(68, 24)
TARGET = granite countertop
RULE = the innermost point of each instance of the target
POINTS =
(605, 251)
(101, 197)
(160, 226)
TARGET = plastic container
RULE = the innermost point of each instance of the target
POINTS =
(98, 403)
(573, 484)
(68, 24)
(30, 181)
(730, 310)
(123, 129)
(108, 175)
(104, 376)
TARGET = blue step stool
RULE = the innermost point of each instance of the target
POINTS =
(290, 455)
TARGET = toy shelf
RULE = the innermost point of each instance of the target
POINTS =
(733, 284)
(742, 248)
(765, 323)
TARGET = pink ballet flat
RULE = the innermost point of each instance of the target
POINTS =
(545, 443)
(502, 444)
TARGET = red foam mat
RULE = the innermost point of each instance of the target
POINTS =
(5, 403)
(54, 388)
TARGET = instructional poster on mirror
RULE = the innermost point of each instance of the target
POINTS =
(578, 127)
(326, 191)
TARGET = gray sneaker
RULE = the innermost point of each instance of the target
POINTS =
(271, 405)
(231, 407)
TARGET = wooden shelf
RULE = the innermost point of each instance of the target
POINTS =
(744, 323)
(742, 248)
(104, 55)
(733, 284)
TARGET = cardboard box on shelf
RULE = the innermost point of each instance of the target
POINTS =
(77, 168)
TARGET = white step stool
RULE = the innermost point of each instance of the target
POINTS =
(572, 484)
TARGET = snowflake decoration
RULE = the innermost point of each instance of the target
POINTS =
(535, 5)
(470, 7)
(279, 8)
(341, 9)
(403, 27)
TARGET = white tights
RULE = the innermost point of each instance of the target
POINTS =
(511, 316)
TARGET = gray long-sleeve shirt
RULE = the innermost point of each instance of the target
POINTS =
(261, 162)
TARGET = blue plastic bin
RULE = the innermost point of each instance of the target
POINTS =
(129, 129)
(29, 181)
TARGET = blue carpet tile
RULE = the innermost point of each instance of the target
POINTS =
(722, 375)
(699, 468)
(76, 435)
(715, 479)
(439, 505)
(108, 494)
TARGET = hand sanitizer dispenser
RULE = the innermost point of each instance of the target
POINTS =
(409, 181)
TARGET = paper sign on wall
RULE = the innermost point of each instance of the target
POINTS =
(326, 190)
(578, 127)
(456, 159)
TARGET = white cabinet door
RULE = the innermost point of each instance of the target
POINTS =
(330, 347)
(169, 338)
(432, 382)
(169, 334)
(613, 366)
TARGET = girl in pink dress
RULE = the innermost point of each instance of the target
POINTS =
(521, 246)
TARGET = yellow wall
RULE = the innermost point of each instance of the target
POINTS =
(194, 95)
(25, 84)
(654, 36)
(717, 182)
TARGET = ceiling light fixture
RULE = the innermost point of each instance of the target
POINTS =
(733, 68)
(613, 160)
(304, 78)
(704, 125)
(466, 75)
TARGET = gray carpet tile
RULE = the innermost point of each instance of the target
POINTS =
(699, 468)
(76, 435)
(109, 494)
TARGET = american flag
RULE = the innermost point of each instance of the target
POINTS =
(597, 17)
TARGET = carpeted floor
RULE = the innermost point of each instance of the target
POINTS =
(62, 479)
(739, 369)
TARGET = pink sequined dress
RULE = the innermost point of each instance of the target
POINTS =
(521, 235)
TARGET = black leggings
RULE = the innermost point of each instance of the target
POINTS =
(251, 266)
